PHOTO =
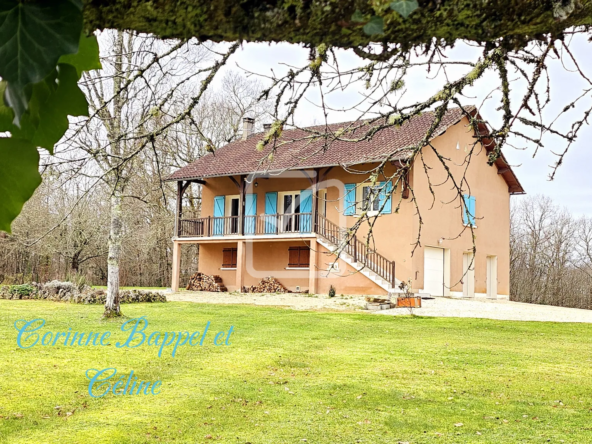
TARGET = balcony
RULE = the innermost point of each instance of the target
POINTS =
(265, 224)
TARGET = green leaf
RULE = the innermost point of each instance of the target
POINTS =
(66, 100)
(358, 17)
(19, 177)
(52, 101)
(6, 113)
(87, 57)
(374, 26)
(404, 7)
(33, 36)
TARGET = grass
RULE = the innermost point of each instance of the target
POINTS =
(290, 376)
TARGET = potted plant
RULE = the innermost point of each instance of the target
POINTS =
(408, 299)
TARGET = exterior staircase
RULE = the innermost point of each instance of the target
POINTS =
(357, 255)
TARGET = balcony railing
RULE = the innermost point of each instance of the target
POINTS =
(358, 250)
(253, 225)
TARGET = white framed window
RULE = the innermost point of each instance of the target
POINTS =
(289, 211)
(289, 202)
(370, 199)
(232, 209)
(231, 205)
(367, 197)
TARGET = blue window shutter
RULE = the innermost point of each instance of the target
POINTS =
(271, 212)
(469, 210)
(349, 201)
(219, 204)
(385, 195)
(306, 207)
(250, 210)
(466, 206)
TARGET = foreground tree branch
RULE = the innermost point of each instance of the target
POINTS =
(331, 22)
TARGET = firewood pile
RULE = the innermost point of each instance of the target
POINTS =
(267, 285)
(377, 300)
(203, 282)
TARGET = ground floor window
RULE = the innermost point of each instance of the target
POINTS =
(298, 257)
(229, 258)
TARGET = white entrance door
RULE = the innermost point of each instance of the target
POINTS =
(469, 277)
(433, 270)
(492, 277)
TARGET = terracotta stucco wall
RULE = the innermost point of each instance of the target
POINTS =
(346, 281)
(210, 262)
(271, 259)
(442, 216)
(392, 232)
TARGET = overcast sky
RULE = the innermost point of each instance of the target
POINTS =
(571, 186)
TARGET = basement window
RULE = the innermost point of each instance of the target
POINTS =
(229, 258)
(298, 257)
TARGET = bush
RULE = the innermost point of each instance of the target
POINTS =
(22, 290)
(331, 291)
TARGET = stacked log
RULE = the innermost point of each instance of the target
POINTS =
(267, 285)
(377, 300)
(203, 282)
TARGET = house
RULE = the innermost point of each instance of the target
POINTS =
(284, 215)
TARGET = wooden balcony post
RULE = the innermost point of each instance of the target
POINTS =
(315, 200)
(355, 241)
(179, 207)
(241, 205)
(181, 188)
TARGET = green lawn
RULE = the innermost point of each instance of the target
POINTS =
(291, 376)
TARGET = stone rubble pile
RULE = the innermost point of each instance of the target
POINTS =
(59, 291)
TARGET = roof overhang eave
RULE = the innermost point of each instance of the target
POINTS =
(279, 171)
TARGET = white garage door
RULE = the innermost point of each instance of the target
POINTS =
(433, 269)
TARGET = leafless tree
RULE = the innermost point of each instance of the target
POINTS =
(549, 261)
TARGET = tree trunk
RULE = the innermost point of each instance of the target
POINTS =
(112, 301)
(75, 262)
(112, 308)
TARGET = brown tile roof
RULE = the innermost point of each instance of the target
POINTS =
(300, 149)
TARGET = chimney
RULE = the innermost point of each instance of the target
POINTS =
(266, 127)
(248, 124)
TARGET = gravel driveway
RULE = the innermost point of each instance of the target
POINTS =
(494, 309)
(438, 307)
